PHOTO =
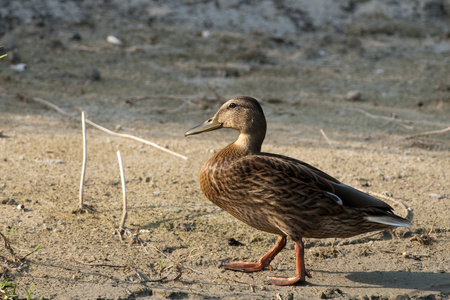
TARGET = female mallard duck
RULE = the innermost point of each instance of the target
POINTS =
(279, 194)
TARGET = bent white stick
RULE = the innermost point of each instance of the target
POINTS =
(428, 133)
(134, 138)
(53, 106)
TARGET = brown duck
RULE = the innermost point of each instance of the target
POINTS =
(279, 194)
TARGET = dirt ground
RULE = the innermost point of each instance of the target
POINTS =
(164, 80)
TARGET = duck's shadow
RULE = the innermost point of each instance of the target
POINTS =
(439, 282)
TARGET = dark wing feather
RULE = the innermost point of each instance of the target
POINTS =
(281, 183)
(350, 196)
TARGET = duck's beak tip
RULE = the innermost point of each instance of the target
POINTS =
(209, 125)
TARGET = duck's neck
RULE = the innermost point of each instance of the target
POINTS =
(249, 143)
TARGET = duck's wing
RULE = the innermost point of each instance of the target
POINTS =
(314, 179)
(281, 183)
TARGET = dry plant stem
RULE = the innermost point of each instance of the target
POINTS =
(124, 191)
(8, 247)
(134, 138)
(390, 119)
(432, 226)
(428, 133)
(325, 137)
(402, 263)
(83, 167)
(51, 105)
(46, 103)
(95, 264)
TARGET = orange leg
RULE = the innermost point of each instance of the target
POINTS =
(300, 270)
(263, 261)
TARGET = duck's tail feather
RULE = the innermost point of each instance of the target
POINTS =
(389, 220)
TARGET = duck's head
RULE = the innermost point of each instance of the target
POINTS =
(243, 114)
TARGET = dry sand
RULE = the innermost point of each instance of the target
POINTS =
(164, 80)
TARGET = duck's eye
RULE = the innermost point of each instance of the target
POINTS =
(232, 105)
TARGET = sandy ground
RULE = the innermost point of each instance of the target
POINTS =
(164, 80)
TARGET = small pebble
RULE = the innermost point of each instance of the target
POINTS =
(206, 34)
(234, 242)
(353, 95)
(20, 207)
(76, 36)
(19, 67)
(95, 74)
(438, 196)
(113, 40)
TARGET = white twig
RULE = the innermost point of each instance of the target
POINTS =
(390, 119)
(134, 138)
(428, 133)
(374, 116)
(83, 168)
(124, 191)
(53, 106)
(325, 137)
(46, 103)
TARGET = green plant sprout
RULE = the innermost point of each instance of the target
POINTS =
(5, 292)
(30, 293)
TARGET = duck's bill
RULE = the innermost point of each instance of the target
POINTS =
(209, 125)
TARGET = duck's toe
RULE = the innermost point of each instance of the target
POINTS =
(243, 266)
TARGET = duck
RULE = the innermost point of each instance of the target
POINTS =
(281, 195)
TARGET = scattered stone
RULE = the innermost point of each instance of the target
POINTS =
(353, 96)
(20, 207)
(330, 293)
(234, 242)
(19, 67)
(113, 40)
(95, 75)
(76, 37)
(206, 34)
(185, 226)
(9, 202)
